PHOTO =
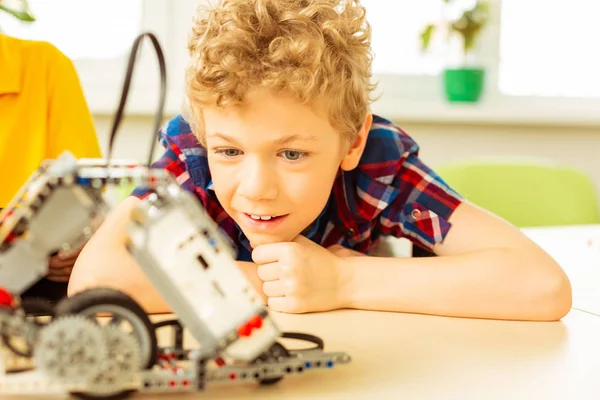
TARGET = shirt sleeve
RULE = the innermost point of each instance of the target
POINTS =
(70, 123)
(422, 209)
(172, 160)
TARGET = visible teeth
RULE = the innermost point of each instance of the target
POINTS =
(264, 218)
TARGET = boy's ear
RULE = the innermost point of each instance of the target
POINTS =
(352, 158)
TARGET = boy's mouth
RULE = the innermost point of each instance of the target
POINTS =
(263, 217)
(264, 221)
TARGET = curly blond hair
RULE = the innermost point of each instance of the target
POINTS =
(309, 49)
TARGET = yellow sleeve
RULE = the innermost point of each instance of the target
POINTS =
(70, 123)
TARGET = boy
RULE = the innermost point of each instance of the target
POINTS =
(284, 155)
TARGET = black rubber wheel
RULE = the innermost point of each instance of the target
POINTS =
(33, 309)
(119, 396)
(275, 352)
(102, 300)
(37, 307)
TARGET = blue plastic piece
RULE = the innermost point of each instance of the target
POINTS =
(83, 181)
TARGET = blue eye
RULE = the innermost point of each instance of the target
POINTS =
(293, 155)
(228, 152)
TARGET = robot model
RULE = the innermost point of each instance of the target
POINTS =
(99, 343)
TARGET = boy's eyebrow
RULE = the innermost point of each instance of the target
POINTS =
(295, 137)
(223, 136)
(281, 141)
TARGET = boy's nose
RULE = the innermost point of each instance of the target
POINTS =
(258, 183)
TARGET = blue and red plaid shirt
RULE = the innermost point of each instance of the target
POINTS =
(391, 192)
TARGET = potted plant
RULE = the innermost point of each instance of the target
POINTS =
(18, 9)
(465, 82)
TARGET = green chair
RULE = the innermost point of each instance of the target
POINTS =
(527, 192)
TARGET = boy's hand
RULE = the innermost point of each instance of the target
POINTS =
(301, 276)
(61, 266)
(341, 251)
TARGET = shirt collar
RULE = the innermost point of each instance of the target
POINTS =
(10, 61)
(365, 195)
(364, 192)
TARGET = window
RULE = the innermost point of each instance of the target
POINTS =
(98, 35)
(549, 48)
(88, 29)
(541, 65)
(396, 27)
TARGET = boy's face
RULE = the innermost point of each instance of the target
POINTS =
(273, 163)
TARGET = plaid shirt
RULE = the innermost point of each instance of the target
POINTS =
(391, 192)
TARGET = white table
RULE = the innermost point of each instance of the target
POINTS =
(577, 250)
(405, 356)
(418, 357)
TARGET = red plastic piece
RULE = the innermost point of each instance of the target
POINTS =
(244, 330)
(6, 299)
(255, 322)
(219, 361)
(232, 376)
(10, 237)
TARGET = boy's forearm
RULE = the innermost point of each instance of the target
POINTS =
(105, 262)
(493, 283)
(118, 270)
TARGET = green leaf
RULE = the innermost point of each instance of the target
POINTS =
(426, 36)
(23, 15)
(470, 24)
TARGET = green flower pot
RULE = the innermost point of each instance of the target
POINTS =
(464, 85)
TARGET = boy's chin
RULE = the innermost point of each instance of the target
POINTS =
(255, 242)
(260, 240)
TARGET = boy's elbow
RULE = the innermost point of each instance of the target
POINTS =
(75, 286)
(82, 276)
(557, 296)
(563, 299)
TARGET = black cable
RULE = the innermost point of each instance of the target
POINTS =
(125, 92)
(168, 322)
(317, 341)
(319, 344)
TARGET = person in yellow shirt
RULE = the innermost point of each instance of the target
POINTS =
(43, 112)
